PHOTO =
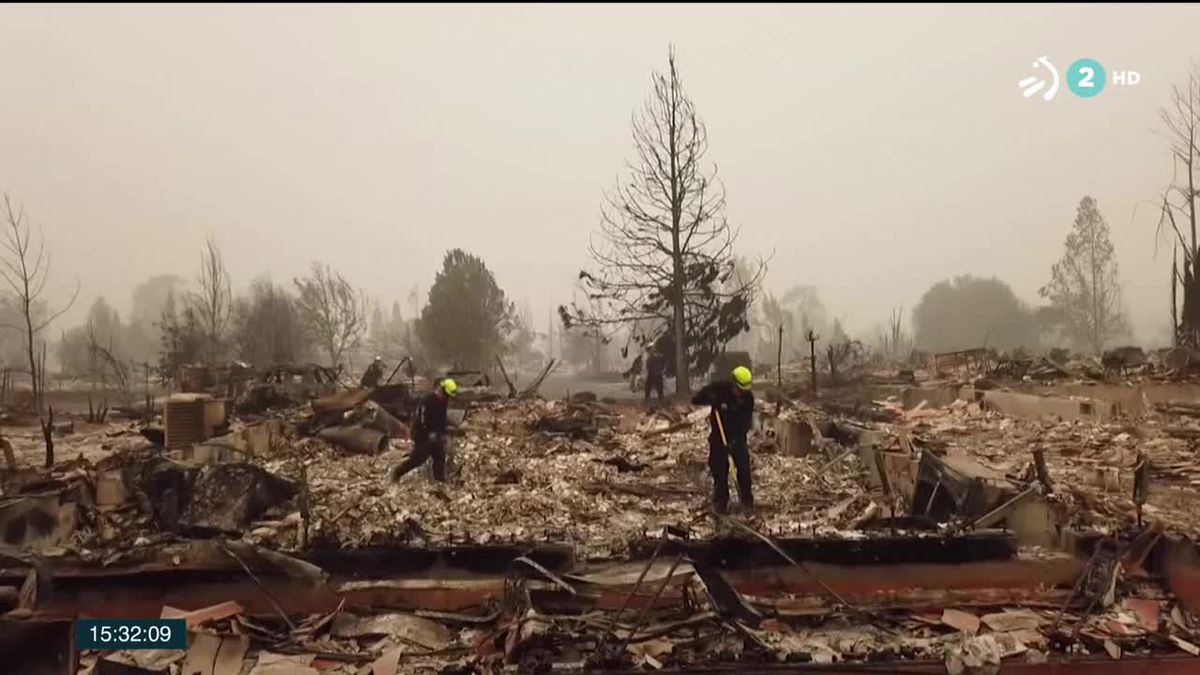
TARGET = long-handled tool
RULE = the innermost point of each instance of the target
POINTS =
(725, 442)
(407, 359)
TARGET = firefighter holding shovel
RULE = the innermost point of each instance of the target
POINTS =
(729, 423)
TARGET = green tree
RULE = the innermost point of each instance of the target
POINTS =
(1084, 285)
(467, 318)
(967, 312)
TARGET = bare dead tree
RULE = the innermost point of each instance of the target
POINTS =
(840, 355)
(333, 311)
(1178, 202)
(266, 325)
(664, 251)
(47, 420)
(893, 338)
(896, 328)
(214, 302)
(105, 363)
(25, 268)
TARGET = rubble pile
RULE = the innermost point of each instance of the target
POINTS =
(1107, 617)
(546, 470)
(1092, 466)
(653, 579)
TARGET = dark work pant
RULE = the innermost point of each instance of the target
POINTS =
(718, 464)
(655, 383)
(422, 451)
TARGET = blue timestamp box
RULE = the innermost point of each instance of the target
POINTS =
(113, 634)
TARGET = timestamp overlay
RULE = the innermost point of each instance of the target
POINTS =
(113, 634)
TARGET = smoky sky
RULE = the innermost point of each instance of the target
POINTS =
(871, 150)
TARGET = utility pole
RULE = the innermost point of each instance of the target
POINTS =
(812, 359)
(779, 373)
(779, 360)
(550, 331)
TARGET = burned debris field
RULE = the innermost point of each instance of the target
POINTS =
(956, 520)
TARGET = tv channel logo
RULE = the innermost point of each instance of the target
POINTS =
(1085, 78)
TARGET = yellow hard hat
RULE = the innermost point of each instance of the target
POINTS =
(450, 387)
(741, 375)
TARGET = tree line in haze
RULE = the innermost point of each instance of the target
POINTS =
(665, 270)
(465, 322)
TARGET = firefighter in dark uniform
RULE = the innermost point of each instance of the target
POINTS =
(372, 375)
(729, 420)
(656, 365)
(429, 432)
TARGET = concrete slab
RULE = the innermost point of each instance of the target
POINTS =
(1032, 406)
(1132, 399)
(934, 396)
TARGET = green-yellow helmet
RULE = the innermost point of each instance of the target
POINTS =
(741, 376)
(450, 387)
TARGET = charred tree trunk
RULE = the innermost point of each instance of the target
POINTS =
(1174, 299)
(683, 382)
(1191, 306)
(48, 436)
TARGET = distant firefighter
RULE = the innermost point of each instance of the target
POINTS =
(372, 375)
(656, 366)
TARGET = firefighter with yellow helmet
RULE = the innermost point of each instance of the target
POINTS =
(729, 423)
(429, 432)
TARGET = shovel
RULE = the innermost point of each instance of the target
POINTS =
(725, 442)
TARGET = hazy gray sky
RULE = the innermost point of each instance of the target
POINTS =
(874, 149)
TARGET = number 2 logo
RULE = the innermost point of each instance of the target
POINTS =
(1086, 78)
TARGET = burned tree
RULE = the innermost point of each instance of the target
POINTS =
(665, 250)
(181, 336)
(843, 355)
(333, 312)
(1177, 204)
(105, 362)
(267, 326)
(213, 304)
(26, 268)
